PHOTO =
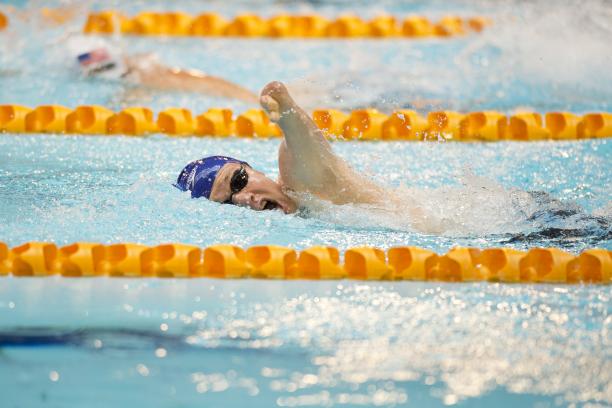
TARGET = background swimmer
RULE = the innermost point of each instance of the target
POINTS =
(144, 70)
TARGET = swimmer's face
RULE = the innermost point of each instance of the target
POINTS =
(260, 193)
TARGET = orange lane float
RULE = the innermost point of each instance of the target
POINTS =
(360, 124)
(487, 126)
(527, 126)
(174, 260)
(80, 259)
(176, 121)
(562, 125)
(271, 261)
(216, 122)
(364, 124)
(418, 27)
(255, 123)
(225, 261)
(444, 125)
(250, 25)
(47, 119)
(132, 121)
(330, 121)
(88, 120)
(404, 125)
(13, 118)
(319, 263)
(3, 21)
(595, 125)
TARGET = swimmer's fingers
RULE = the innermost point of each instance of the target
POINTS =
(271, 107)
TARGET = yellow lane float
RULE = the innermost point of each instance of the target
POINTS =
(595, 125)
(360, 124)
(460, 264)
(330, 121)
(280, 26)
(488, 126)
(13, 118)
(88, 120)
(3, 21)
(176, 122)
(132, 121)
(216, 122)
(47, 119)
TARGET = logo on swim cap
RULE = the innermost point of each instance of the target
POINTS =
(101, 62)
(199, 175)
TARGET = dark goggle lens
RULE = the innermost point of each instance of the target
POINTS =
(103, 68)
(239, 180)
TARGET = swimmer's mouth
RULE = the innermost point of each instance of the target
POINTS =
(270, 205)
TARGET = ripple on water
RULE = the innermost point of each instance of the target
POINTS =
(460, 341)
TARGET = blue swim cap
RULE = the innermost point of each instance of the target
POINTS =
(199, 175)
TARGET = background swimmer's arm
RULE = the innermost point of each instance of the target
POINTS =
(151, 74)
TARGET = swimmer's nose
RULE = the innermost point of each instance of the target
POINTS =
(250, 199)
(255, 201)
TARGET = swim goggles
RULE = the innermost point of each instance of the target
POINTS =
(239, 180)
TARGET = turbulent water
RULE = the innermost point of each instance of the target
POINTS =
(112, 189)
(296, 343)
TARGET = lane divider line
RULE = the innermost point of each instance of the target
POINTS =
(460, 264)
(281, 26)
(361, 124)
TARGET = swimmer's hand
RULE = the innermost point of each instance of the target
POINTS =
(271, 107)
(275, 99)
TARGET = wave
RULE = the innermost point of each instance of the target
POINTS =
(479, 207)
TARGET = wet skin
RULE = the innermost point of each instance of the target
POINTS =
(260, 193)
(307, 164)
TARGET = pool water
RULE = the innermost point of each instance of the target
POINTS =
(122, 342)
(114, 189)
(291, 343)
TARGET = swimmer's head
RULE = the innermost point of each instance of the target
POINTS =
(101, 62)
(230, 181)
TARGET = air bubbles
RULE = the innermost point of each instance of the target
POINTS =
(143, 370)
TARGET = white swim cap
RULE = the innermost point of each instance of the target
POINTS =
(97, 58)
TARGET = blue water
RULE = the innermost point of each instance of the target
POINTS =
(101, 342)
(114, 189)
(104, 342)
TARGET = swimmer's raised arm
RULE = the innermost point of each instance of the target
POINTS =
(307, 162)
(301, 133)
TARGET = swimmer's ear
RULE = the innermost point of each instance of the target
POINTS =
(271, 107)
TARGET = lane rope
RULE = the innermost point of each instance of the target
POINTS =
(85, 259)
(281, 26)
(4, 21)
(361, 124)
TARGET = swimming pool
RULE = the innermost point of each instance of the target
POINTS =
(302, 343)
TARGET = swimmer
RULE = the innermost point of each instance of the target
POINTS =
(307, 166)
(144, 70)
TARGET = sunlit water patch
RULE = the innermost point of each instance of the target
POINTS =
(305, 343)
